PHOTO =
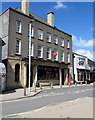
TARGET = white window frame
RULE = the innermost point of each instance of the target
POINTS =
(18, 26)
(48, 37)
(40, 34)
(41, 56)
(68, 57)
(68, 44)
(56, 56)
(32, 49)
(62, 56)
(32, 30)
(55, 39)
(18, 46)
(49, 52)
(62, 42)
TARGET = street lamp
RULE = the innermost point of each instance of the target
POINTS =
(30, 41)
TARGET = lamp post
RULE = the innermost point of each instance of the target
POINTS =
(30, 41)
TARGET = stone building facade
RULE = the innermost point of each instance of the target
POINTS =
(51, 49)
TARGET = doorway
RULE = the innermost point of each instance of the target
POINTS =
(62, 76)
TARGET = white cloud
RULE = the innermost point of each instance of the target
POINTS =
(60, 5)
(86, 53)
(79, 42)
(93, 29)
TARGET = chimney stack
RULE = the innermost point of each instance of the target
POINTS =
(50, 18)
(25, 6)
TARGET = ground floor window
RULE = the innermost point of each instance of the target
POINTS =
(48, 73)
(17, 72)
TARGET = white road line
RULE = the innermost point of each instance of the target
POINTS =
(31, 111)
(47, 95)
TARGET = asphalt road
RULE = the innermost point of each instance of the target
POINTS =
(46, 98)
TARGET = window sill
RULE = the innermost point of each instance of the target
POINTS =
(62, 46)
(48, 59)
(48, 42)
(40, 39)
(55, 44)
(68, 48)
(19, 33)
(18, 54)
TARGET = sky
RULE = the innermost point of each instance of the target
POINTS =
(75, 18)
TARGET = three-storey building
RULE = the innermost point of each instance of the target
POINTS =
(51, 48)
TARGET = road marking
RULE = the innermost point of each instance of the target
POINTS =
(53, 94)
(31, 111)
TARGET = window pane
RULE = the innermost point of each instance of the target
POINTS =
(48, 53)
(62, 56)
(68, 44)
(62, 42)
(18, 46)
(40, 51)
(56, 55)
(55, 39)
(48, 37)
(32, 30)
(40, 34)
(68, 57)
(18, 26)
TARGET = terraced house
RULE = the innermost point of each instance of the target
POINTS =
(51, 48)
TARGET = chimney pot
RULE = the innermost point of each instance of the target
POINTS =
(50, 18)
(25, 6)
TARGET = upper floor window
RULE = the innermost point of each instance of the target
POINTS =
(68, 44)
(18, 46)
(40, 51)
(40, 34)
(32, 30)
(62, 56)
(55, 39)
(68, 57)
(48, 53)
(18, 26)
(62, 42)
(48, 37)
(31, 49)
(55, 54)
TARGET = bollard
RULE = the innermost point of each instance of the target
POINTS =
(81, 83)
(75, 83)
(51, 84)
(40, 86)
(86, 82)
(25, 91)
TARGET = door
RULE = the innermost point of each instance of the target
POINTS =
(62, 76)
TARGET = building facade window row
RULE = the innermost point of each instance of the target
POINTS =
(40, 50)
(40, 35)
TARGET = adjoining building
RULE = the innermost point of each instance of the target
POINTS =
(82, 68)
(51, 48)
(92, 70)
(2, 69)
(2, 43)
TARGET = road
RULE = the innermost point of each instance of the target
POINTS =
(46, 98)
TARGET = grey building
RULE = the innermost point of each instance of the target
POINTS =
(51, 48)
(2, 43)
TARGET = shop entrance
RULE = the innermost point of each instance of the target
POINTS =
(62, 76)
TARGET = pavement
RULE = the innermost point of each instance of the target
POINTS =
(19, 93)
